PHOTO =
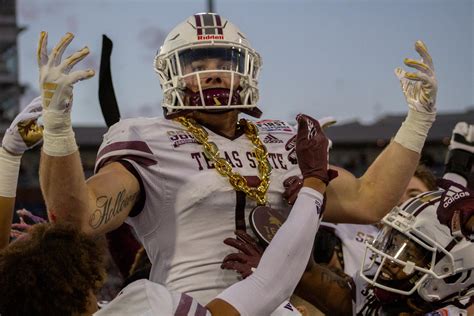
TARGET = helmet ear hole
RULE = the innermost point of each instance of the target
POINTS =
(453, 278)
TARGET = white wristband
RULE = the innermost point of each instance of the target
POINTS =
(412, 134)
(10, 167)
(58, 136)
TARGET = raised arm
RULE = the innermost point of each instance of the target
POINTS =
(104, 201)
(369, 198)
(23, 133)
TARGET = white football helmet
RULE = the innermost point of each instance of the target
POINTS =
(415, 245)
(207, 63)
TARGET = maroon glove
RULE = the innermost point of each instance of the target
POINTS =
(312, 150)
(456, 208)
(292, 187)
(248, 256)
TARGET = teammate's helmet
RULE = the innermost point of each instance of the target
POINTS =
(415, 245)
(184, 76)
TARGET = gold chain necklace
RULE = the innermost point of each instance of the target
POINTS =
(211, 151)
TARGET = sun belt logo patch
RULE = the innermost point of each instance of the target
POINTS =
(209, 27)
(274, 126)
(179, 138)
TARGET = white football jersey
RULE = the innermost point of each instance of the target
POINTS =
(353, 237)
(190, 208)
(146, 298)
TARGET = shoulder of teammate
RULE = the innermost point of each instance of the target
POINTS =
(129, 139)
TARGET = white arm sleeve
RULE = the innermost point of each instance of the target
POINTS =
(282, 263)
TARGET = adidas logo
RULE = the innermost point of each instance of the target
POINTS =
(453, 195)
(270, 139)
(289, 307)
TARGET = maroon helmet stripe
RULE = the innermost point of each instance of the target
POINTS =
(218, 20)
(218, 24)
(208, 25)
(184, 305)
(198, 24)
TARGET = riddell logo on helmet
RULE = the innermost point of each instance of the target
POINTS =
(210, 37)
(454, 198)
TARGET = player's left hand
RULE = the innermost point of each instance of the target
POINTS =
(419, 87)
(24, 132)
(294, 184)
(246, 260)
(456, 209)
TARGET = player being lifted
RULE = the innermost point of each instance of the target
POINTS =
(186, 181)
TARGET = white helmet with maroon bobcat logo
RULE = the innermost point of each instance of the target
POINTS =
(206, 63)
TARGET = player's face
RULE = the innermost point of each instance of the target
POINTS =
(211, 79)
(406, 250)
(415, 187)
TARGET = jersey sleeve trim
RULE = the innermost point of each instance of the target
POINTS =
(184, 305)
(137, 151)
(130, 145)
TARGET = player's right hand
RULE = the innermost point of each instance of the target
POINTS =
(24, 132)
(312, 150)
(419, 87)
(56, 79)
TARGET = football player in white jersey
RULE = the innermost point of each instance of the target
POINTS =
(46, 251)
(187, 181)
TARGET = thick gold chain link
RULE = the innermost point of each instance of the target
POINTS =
(224, 167)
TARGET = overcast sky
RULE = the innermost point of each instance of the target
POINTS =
(333, 57)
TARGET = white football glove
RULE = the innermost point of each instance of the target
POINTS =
(420, 87)
(56, 79)
(326, 122)
(24, 132)
(463, 137)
